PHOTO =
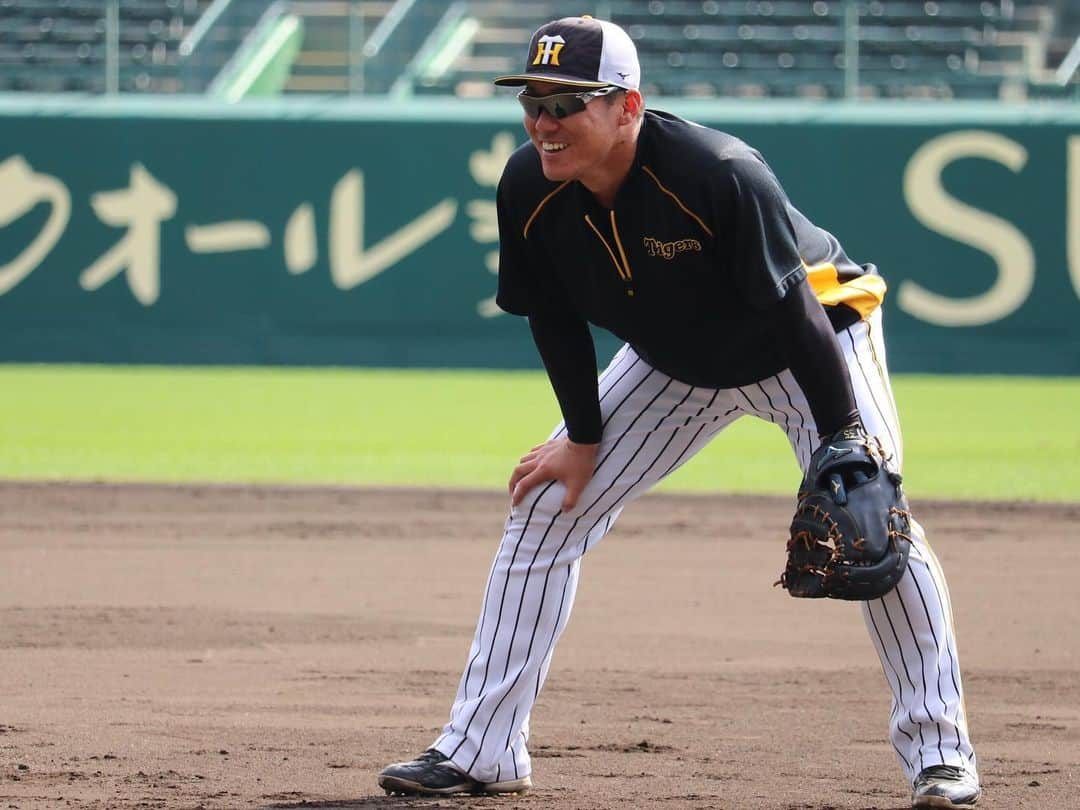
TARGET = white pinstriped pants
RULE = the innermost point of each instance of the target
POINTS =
(652, 425)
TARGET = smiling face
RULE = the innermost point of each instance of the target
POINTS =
(595, 146)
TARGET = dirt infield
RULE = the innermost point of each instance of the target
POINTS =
(228, 647)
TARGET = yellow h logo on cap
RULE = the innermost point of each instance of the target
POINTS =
(547, 50)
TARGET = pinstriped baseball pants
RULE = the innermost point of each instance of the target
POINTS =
(652, 425)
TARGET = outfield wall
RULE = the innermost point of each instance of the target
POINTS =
(327, 232)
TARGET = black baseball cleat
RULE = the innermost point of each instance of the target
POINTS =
(945, 786)
(432, 774)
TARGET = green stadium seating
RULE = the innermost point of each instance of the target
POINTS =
(905, 48)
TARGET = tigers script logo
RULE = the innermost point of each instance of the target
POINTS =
(668, 249)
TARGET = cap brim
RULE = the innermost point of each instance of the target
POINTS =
(518, 79)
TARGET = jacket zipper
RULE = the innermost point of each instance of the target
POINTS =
(623, 267)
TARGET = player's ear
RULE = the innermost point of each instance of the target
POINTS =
(632, 106)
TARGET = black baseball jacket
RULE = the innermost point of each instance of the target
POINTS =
(703, 266)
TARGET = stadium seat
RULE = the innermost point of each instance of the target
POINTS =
(785, 48)
(61, 43)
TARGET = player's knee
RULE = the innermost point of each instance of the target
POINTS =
(543, 501)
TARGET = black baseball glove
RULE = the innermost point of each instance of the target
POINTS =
(851, 533)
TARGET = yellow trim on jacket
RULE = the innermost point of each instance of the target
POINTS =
(863, 293)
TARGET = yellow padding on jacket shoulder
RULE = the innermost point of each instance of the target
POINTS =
(863, 293)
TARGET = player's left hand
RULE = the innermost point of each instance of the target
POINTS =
(851, 534)
(561, 460)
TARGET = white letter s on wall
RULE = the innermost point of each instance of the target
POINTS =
(944, 214)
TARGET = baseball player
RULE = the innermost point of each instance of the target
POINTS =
(678, 239)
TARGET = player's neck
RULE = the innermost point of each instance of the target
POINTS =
(607, 178)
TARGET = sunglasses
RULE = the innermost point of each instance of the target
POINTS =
(560, 105)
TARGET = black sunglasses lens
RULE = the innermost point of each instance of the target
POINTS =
(557, 106)
(528, 103)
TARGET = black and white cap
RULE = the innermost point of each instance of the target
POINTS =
(581, 52)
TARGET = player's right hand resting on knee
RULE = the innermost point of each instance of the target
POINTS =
(561, 460)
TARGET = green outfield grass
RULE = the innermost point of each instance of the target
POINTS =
(966, 437)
